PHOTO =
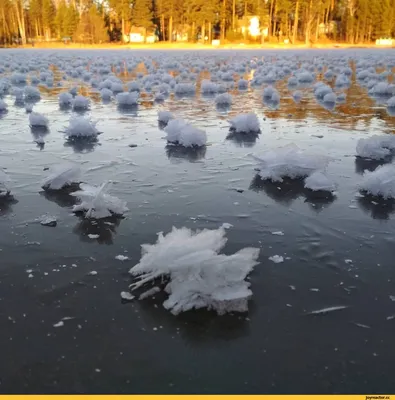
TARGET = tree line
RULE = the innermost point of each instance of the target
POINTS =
(353, 21)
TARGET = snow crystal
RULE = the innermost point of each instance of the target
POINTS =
(127, 296)
(106, 94)
(276, 259)
(126, 99)
(3, 106)
(289, 161)
(184, 89)
(96, 203)
(31, 93)
(120, 257)
(199, 277)
(242, 84)
(330, 98)
(149, 293)
(165, 116)
(380, 182)
(391, 102)
(208, 87)
(318, 181)
(297, 95)
(223, 99)
(184, 134)
(80, 103)
(245, 123)
(65, 99)
(327, 309)
(81, 128)
(36, 119)
(376, 147)
(4, 191)
(62, 176)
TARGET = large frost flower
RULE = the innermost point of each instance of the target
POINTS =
(96, 203)
(198, 276)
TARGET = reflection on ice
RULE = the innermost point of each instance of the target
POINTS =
(243, 139)
(101, 231)
(176, 152)
(377, 207)
(362, 164)
(291, 189)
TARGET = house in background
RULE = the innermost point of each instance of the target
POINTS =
(251, 26)
(141, 35)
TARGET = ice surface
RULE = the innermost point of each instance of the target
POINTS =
(61, 176)
(81, 128)
(289, 161)
(198, 276)
(36, 119)
(184, 134)
(376, 147)
(318, 181)
(245, 123)
(380, 182)
(96, 203)
(127, 99)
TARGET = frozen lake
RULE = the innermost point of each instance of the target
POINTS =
(337, 250)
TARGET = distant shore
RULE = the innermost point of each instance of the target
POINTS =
(197, 46)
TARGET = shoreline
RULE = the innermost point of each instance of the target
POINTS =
(197, 46)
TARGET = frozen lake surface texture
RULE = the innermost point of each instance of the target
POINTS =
(275, 170)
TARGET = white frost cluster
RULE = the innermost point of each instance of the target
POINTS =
(4, 191)
(65, 99)
(391, 102)
(223, 99)
(96, 203)
(106, 94)
(245, 123)
(376, 147)
(198, 276)
(289, 162)
(208, 87)
(61, 176)
(380, 182)
(32, 93)
(3, 106)
(80, 103)
(180, 132)
(165, 116)
(36, 119)
(81, 128)
(126, 99)
(184, 89)
(318, 181)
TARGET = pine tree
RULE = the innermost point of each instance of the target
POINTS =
(142, 14)
(48, 17)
